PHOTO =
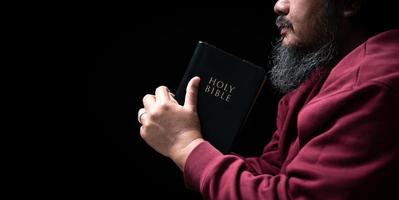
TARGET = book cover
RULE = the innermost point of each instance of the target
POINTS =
(228, 89)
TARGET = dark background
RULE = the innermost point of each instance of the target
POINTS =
(98, 66)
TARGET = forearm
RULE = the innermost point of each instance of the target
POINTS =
(219, 176)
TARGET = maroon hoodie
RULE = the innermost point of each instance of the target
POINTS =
(336, 138)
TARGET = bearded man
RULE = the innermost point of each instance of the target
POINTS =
(337, 132)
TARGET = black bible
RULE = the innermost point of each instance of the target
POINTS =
(228, 89)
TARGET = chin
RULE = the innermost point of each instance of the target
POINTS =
(288, 40)
(284, 40)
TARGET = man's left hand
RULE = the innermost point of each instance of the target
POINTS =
(171, 129)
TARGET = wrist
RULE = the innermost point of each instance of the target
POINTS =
(181, 156)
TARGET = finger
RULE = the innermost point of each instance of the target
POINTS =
(172, 97)
(162, 94)
(148, 101)
(140, 115)
(192, 94)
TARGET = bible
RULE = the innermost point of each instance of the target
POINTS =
(228, 89)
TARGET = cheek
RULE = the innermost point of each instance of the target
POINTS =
(304, 22)
(300, 32)
(303, 33)
(306, 30)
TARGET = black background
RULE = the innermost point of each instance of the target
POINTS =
(97, 66)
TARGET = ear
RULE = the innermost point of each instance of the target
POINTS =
(352, 7)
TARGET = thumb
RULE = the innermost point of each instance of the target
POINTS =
(192, 94)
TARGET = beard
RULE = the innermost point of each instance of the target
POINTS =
(292, 65)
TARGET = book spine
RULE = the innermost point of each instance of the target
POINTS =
(253, 101)
(188, 74)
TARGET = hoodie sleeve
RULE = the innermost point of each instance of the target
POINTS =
(352, 154)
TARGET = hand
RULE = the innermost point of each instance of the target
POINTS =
(171, 129)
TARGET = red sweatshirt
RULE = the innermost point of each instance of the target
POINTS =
(337, 138)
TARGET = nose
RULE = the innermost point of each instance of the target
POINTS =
(282, 7)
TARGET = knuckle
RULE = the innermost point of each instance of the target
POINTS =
(145, 98)
(163, 107)
(191, 94)
(146, 121)
(153, 115)
(162, 87)
(150, 112)
(157, 111)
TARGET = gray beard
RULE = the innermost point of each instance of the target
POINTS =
(292, 65)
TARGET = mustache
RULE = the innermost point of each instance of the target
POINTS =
(282, 22)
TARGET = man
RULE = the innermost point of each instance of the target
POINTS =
(337, 125)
